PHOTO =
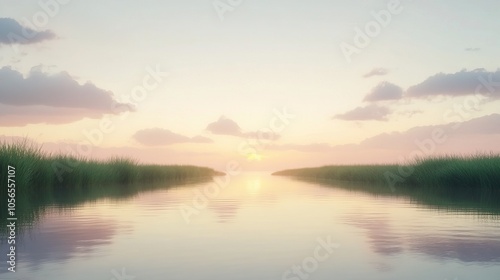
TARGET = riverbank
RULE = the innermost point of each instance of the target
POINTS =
(31, 180)
(465, 173)
(38, 171)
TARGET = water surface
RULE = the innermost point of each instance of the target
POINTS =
(258, 228)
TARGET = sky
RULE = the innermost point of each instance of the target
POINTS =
(268, 84)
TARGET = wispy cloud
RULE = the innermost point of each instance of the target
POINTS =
(410, 113)
(306, 148)
(11, 116)
(12, 32)
(226, 126)
(376, 72)
(458, 84)
(384, 91)
(162, 137)
(481, 134)
(485, 125)
(370, 112)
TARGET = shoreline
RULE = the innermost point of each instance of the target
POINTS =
(466, 173)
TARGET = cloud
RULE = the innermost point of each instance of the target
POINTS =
(51, 98)
(481, 126)
(384, 91)
(472, 49)
(370, 112)
(410, 113)
(263, 135)
(11, 32)
(306, 148)
(24, 115)
(479, 135)
(201, 139)
(225, 126)
(376, 72)
(459, 84)
(57, 90)
(161, 137)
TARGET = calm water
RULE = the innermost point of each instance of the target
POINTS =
(259, 228)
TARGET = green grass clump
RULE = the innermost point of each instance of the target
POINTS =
(473, 173)
(43, 179)
(478, 171)
(358, 173)
(38, 172)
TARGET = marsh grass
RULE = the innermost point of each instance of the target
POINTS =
(44, 179)
(477, 173)
(38, 172)
(449, 183)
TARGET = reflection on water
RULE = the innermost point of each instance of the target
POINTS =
(379, 234)
(224, 209)
(59, 238)
(455, 200)
(259, 227)
(30, 208)
(466, 249)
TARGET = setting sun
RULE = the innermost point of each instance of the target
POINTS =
(254, 157)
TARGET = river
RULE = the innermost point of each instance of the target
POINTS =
(259, 227)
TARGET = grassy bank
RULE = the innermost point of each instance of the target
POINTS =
(38, 172)
(43, 180)
(473, 173)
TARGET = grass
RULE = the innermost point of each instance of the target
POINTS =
(468, 173)
(43, 179)
(452, 183)
(37, 171)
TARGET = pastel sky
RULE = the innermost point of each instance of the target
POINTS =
(270, 84)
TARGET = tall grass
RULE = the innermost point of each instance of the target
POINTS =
(478, 171)
(44, 179)
(357, 173)
(38, 172)
(474, 173)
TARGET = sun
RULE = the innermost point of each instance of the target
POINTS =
(254, 157)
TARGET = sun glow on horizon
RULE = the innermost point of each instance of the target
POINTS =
(254, 157)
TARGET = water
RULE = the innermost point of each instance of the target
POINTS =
(260, 227)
